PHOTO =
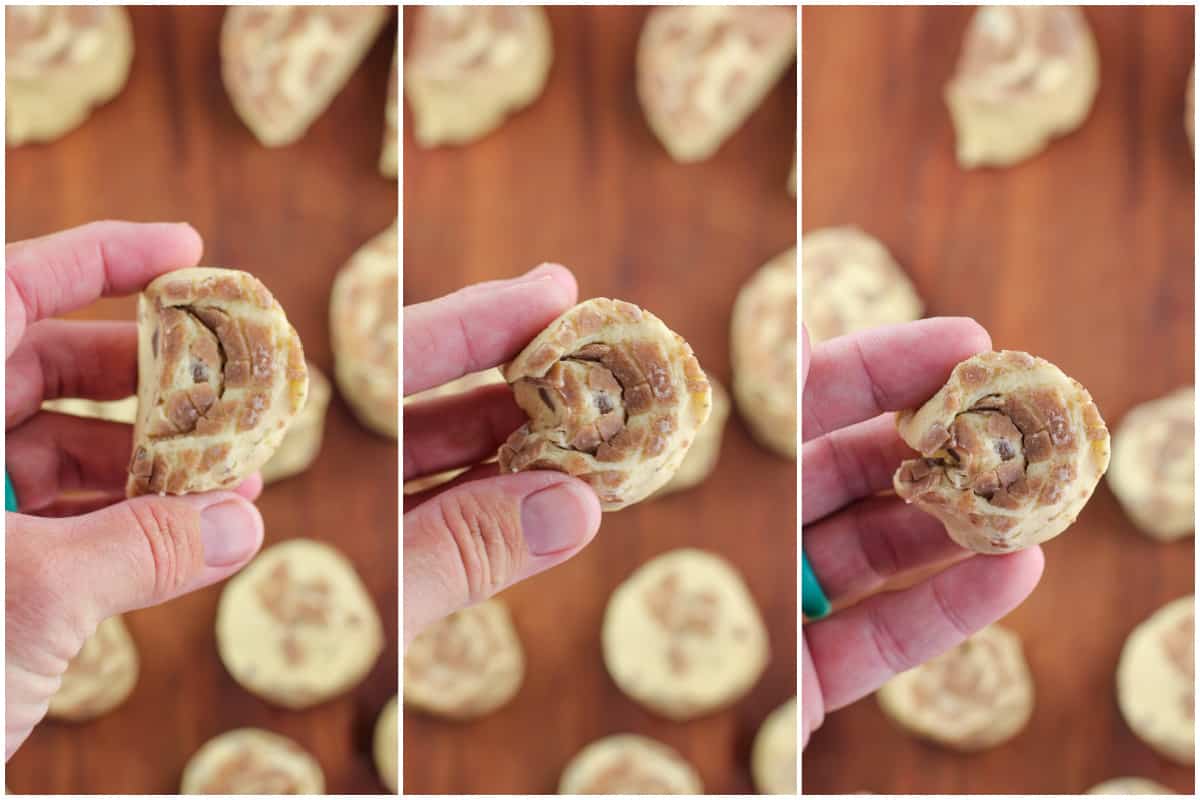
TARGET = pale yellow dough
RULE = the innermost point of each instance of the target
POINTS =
(1156, 680)
(99, 677)
(252, 761)
(386, 743)
(389, 159)
(302, 442)
(701, 458)
(1129, 786)
(466, 383)
(626, 763)
(773, 760)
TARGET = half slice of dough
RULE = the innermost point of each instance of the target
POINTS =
(221, 375)
(1156, 680)
(283, 65)
(627, 763)
(252, 761)
(100, 676)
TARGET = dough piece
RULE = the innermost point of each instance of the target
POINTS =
(1129, 786)
(283, 65)
(471, 66)
(763, 350)
(386, 744)
(702, 70)
(302, 442)
(852, 283)
(296, 627)
(462, 385)
(60, 63)
(975, 696)
(99, 677)
(123, 410)
(1153, 465)
(626, 763)
(701, 458)
(773, 760)
(221, 375)
(388, 157)
(614, 397)
(365, 333)
(683, 636)
(466, 665)
(1027, 74)
(1156, 679)
(1011, 450)
(252, 761)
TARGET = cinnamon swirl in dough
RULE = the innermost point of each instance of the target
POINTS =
(972, 697)
(466, 665)
(1027, 74)
(1010, 451)
(763, 350)
(614, 397)
(701, 458)
(773, 760)
(626, 763)
(388, 157)
(99, 677)
(702, 70)
(1130, 786)
(1156, 681)
(852, 283)
(283, 65)
(60, 63)
(252, 761)
(385, 744)
(1153, 465)
(221, 375)
(471, 66)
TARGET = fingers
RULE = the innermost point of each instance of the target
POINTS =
(449, 432)
(859, 376)
(52, 453)
(54, 274)
(467, 543)
(481, 326)
(856, 651)
(849, 464)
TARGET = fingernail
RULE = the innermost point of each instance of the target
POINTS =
(555, 519)
(229, 532)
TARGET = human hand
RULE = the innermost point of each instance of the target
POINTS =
(855, 540)
(470, 538)
(67, 570)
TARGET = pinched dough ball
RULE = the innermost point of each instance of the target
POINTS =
(99, 677)
(701, 458)
(975, 696)
(702, 70)
(626, 763)
(1129, 786)
(466, 665)
(683, 636)
(1156, 680)
(252, 761)
(852, 283)
(1153, 465)
(221, 376)
(283, 65)
(1027, 74)
(1011, 450)
(385, 745)
(60, 63)
(614, 397)
(773, 760)
(763, 350)
(469, 67)
(297, 627)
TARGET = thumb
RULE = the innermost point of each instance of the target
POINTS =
(469, 542)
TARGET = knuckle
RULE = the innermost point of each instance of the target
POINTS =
(487, 536)
(171, 545)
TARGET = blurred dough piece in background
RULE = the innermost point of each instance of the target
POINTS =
(252, 761)
(1129, 786)
(386, 743)
(389, 156)
(100, 676)
(626, 763)
(702, 456)
(773, 760)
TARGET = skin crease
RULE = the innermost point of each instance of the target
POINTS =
(69, 564)
(855, 541)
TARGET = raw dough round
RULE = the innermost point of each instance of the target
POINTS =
(852, 283)
(763, 350)
(773, 760)
(60, 63)
(302, 442)
(1153, 465)
(466, 665)
(221, 376)
(1027, 74)
(683, 636)
(386, 744)
(99, 677)
(296, 627)
(701, 458)
(626, 763)
(1129, 786)
(1011, 450)
(1156, 680)
(365, 333)
(389, 158)
(469, 67)
(614, 397)
(972, 697)
(252, 761)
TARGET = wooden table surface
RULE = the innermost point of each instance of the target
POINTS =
(578, 178)
(1082, 255)
(170, 147)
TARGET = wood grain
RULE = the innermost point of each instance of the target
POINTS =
(170, 147)
(578, 178)
(1082, 255)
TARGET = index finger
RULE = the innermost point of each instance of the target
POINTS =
(54, 274)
